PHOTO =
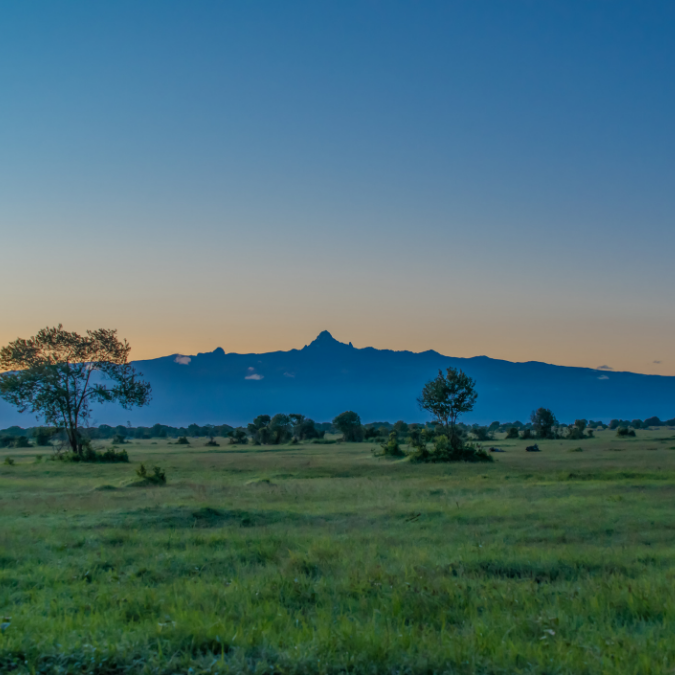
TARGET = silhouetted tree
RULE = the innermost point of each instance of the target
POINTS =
(59, 375)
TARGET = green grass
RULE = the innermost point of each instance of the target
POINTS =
(324, 559)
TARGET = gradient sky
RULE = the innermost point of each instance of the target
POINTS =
(472, 177)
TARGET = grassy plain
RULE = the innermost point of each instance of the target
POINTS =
(324, 559)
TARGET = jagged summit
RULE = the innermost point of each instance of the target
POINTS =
(324, 340)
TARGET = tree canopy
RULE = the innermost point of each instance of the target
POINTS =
(448, 396)
(58, 375)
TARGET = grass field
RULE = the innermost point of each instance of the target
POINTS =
(325, 559)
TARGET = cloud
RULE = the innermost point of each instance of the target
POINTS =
(183, 360)
(656, 362)
(289, 374)
(603, 377)
(254, 376)
(604, 368)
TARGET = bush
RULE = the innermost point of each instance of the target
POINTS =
(512, 432)
(9, 461)
(182, 440)
(451, 450)
(625, 431)
(482, 433)
(157, 477)
(21, 442)
(526, 433)
(391, 448)
(43, 436)
(213, 444)
(118, 439)
(91, 455)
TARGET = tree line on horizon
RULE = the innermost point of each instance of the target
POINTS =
(59, 375)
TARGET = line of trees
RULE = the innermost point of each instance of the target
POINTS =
(58, 375)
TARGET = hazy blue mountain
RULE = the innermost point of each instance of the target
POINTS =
(328, 377)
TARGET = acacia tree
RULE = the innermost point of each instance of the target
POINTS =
(447, 397)
(58, 375)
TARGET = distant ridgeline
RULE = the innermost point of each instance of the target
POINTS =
(327, 377)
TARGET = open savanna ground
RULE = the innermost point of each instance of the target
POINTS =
(325, 559)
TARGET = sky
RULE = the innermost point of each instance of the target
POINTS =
(483, 177)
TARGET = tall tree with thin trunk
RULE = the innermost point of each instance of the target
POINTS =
(58, 375)
(448, 396)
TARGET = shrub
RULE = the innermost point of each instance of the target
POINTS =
(182, 440)
(239, 436)
(391, 448)
(118, 439)
(526, 433)
(482, 433)
(450, 450)
(512, 432)
(21, 442)
(213, 444)
(43, 436)
(9, 461)
(91, 455)
(625, 431)
(157, 477)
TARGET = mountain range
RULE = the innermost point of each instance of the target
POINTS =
(327, 377)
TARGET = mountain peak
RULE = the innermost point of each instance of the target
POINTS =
(325, 340)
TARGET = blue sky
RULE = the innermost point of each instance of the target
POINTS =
(473, 177)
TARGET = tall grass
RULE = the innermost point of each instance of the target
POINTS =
(324, 559)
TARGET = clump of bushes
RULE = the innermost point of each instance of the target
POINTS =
(182, 440)
(446, 448)
(90, 454)
(157, 477)
(238, 436)
(9, 461)
(625, 431)
(512, 432)
(391, 448)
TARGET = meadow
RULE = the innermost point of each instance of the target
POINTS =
(326, 559)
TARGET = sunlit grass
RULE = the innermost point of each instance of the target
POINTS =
(324, 559)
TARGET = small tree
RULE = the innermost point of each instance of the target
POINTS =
(512, 432)
(543, 421)
(349, 423)
(59, 375)
(447, 397)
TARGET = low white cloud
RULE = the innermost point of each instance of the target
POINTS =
(657, 362)
(604, 368)
(254, 376)
(603, 377)
(183, 360)
(289, 374)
